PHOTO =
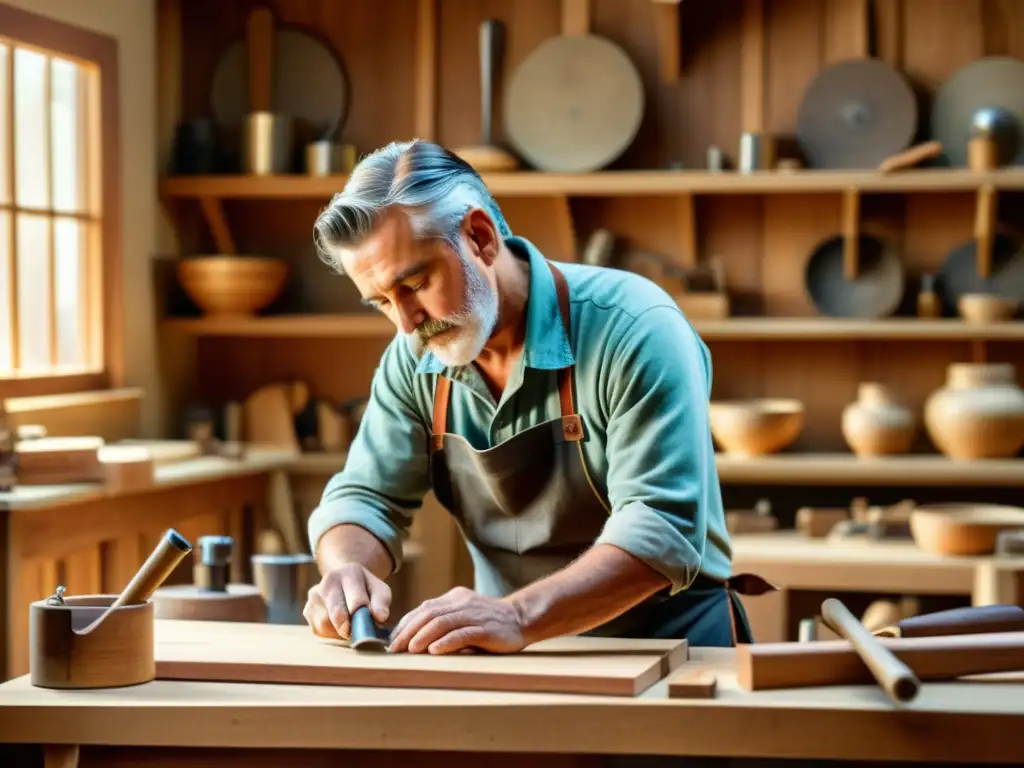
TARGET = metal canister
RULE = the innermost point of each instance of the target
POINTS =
(283, 581)
(266, 143)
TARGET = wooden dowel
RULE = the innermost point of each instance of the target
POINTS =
(895, 677)
(851, 234)
(984, 229)
(575, 17)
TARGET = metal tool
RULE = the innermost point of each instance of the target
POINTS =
(855, 114)
(212, 572)
(365, 634)
(991, 84)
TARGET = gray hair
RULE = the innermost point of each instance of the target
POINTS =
(435, 187)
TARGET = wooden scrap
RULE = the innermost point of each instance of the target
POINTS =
(817, 522)
(268, 415)
(59, 460)
(692, 682)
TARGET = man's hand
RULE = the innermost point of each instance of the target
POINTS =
(331, 603)
(459, 619)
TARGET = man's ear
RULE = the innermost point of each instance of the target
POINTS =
(482, 234)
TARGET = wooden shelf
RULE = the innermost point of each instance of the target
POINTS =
(810, 469)
(619, 183)
(847, 469)
(737, 329)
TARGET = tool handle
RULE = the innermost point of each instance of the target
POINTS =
(363, 630)
(491, 39)
(895, 677)
(975, 620)
(170, 551)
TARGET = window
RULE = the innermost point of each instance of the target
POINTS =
(59, 207)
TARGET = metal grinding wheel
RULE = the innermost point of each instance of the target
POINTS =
(993, 82)
(855, 114)
(574, 105)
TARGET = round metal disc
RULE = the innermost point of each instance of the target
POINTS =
(308, 82)
(959, 273)
(993, 82)
(876, 291)
(855, 114)
(574, 105)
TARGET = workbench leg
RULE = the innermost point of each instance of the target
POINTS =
(60, 756)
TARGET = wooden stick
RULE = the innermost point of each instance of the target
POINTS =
(165, 557)
(895, 677)
(984, 228)
(851, 234)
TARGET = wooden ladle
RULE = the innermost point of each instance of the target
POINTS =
(169, 551)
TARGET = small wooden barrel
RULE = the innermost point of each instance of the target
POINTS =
(118, 652)
(240, 602)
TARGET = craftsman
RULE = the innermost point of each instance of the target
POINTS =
(558, 412)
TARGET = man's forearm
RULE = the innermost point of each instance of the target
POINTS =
(603, 583)
(347, 543)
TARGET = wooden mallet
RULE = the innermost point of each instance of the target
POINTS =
(895, 678)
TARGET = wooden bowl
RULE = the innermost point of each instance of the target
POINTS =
(232, 286)
(119, 652)
(962, 529)
(985, 308)
(756, 427)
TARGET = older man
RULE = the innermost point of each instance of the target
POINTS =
(558, 412)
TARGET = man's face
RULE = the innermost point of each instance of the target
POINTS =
(441, 300)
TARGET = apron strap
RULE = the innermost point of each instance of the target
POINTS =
(572, 425)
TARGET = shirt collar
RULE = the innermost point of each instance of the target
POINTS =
(546, 346)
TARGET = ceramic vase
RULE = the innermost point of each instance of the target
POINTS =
(979, 413)
(876, 424)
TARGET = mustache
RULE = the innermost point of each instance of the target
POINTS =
(431, 328)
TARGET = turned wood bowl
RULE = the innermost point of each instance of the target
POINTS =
(756, 427)
(962, 529)
(986, 308)
(232, 286)
(120, 651)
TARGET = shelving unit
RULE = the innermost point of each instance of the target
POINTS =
(355, 326)
(621, 183)
(810, 470)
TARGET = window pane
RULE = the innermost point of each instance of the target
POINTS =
(33, 293)
(6, 361)
(69, 244)
(67, 129)
(5, 193)
(31, 162)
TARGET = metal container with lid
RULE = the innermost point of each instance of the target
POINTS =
(211, 596)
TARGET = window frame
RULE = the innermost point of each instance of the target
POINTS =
(63, 39)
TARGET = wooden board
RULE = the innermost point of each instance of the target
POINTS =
(252, 653)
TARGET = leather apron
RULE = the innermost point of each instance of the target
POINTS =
(527, 508)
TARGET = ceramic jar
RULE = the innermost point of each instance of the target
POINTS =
(876, 424)
(979, 413)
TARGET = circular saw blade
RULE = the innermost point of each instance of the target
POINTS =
(992, 82)
(855, 114)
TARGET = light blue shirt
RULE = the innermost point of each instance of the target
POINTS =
(643, 382)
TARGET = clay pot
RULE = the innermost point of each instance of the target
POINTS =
(756, 427)
(876, 424)
(986, 308)
(962, 529)
(979, 414)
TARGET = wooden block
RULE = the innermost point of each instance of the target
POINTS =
(764, 666)
(290, 654)
(58, 460)
(817, 522)
(692, 682)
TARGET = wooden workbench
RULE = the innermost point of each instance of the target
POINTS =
(163, 722)
(93, 539)
(795, 562)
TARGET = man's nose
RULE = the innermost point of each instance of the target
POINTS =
(410, 317)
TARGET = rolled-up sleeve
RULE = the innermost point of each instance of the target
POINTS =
(659, 444)
(386, 473)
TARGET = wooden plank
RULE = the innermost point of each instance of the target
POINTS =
(765, 666)
(213, 651)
